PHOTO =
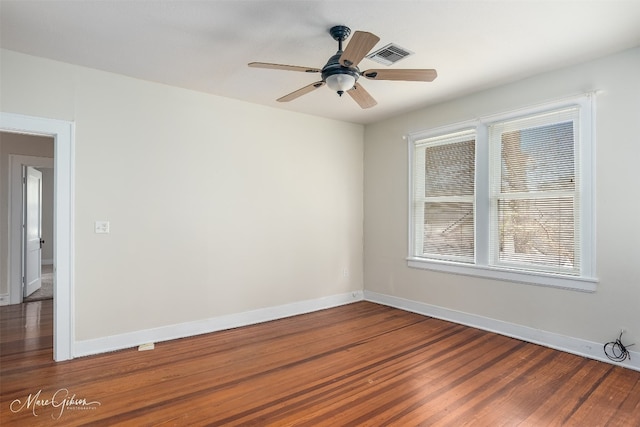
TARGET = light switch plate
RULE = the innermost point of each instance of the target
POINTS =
(102, 227)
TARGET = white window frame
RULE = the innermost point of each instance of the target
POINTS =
(585, 155)
(419, 198)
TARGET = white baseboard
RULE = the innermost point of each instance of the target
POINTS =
(4, 299)
(183, 330)
(592, 350)
(46, 262)
(572, 345)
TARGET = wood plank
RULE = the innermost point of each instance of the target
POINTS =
(359, 364)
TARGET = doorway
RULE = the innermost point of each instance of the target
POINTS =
(20, 272)
(62, 133)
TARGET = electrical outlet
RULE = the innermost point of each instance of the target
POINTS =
(145, 347)
(102, 227)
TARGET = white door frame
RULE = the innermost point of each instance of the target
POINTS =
(14, 264)
(63, 133)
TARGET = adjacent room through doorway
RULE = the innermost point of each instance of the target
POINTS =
(26, 164)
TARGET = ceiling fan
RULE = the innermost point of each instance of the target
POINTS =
(341, 72)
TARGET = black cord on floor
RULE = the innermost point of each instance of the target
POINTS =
(616, 351)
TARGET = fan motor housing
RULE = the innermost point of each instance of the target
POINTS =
(333, 67)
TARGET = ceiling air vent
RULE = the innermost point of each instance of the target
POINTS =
(390, 54)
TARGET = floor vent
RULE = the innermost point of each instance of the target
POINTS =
(390, 54)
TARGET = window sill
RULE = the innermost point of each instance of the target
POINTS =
(583, 284)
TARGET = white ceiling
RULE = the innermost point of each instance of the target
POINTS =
(206, 45)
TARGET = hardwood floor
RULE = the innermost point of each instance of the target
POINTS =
(360, 364)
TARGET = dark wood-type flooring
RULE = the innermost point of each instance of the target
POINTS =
(359, 364)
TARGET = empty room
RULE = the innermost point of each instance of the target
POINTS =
(319, 213)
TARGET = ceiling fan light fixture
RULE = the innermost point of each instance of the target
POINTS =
(340, 82)
(341, 71)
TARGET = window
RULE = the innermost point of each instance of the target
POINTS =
(444, 201)
(507, 197)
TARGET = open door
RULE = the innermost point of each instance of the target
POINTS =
(32, 226)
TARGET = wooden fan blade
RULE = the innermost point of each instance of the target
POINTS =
(284, 67)
(362, 97)
(360, 44)
(427, 75)
(298, 93)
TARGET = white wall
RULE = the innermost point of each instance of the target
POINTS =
(220, 207)
(216, 206)
(595, 317)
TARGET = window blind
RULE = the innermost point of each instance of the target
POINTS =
(444, 197)
(534, 197)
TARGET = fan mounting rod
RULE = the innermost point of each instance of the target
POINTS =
(340, 33)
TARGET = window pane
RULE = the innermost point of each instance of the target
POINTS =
(537, 231)
(450, 169)
(449, 229)
(538, 159)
